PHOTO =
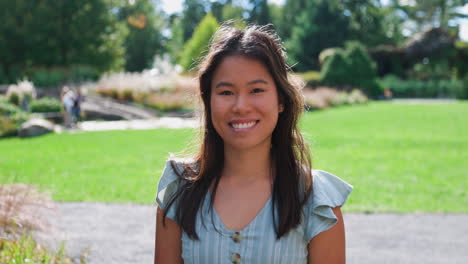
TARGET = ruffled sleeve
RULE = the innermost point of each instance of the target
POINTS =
(167, 187)
(329, 191)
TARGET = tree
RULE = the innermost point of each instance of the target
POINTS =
(175, 44)
(69, 33)
(368, 23)
(197, 46)
(259, 13)
(352, 67)
(145, 39)
(193, 12)
(294, 8)
(320, 25)
(436, 13)
(276, 14)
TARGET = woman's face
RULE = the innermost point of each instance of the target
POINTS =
(244, 103)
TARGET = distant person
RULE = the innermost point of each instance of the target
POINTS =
(76, 107)
(67, 96)
(250, 194)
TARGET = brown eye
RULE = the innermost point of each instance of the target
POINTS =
(225, 93)
(258, 90)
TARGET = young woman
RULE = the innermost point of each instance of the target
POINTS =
(250, 195)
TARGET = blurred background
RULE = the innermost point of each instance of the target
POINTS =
(144, 51)
(96, 94)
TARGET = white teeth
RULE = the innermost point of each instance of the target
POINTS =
(243, 125)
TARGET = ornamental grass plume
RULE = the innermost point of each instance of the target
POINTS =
(22, 89)
(22, 209)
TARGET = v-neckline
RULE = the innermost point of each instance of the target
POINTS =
(220, 221)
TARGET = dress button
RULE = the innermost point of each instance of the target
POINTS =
(236, 237)
(236, 258)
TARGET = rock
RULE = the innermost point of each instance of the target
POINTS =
(35, 127)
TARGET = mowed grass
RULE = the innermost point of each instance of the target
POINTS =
(400, 158)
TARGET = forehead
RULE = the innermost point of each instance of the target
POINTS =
(240, 69)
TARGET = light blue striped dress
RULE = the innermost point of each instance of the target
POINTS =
(257, 242)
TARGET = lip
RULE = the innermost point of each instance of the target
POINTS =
(243, 121)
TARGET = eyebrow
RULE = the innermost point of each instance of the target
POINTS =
(249, 83)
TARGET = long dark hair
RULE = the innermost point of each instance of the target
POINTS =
(291, 158)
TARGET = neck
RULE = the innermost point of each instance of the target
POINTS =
(246, 166)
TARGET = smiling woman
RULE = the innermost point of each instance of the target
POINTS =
(250, 195)
(244, 103)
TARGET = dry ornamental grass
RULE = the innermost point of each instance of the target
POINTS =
(22, 209)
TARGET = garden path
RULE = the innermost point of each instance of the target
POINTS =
(124, 233)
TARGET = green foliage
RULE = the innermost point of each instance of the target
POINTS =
(462, 91)
(375, 134)
(46, 105)
(232, 12)
(435, 13)
(70, 32)
(460, 60)
(197, 46)
(27, 250)
(362, 69)
(43, 77)
(260, 13)
(81, 73)
(311, 78)
(56, 76)
(421, 89)
(335, 71)
(277, 15)
(175, 44)
(193, 12)
(289, 16)
(8, 128)
(14, 98)
(352, 67)
(144, 39)
(8, 108)
(320, 25)
(20, 117)
(370, 24)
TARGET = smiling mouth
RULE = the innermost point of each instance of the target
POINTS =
(243, 125)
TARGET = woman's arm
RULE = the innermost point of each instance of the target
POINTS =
(168, 244)
(329, 246)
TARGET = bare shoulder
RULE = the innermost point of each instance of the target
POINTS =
(168, 245)
(329, 245)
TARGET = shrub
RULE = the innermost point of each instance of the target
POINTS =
(8, 127)
(14, 98)
(197, 46)
(462, 91)
(352, 67)
(80, 73)
(16, 93)
(311, 78)
(47, 77)
(125, 95)
(324, 97)
(335, 71)
(421, 89)
(20, 117)
(169, 102)
(7, 108)
(45, 105)
(27, 250)
(362, 69)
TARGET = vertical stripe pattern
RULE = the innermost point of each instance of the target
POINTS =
(258, 243)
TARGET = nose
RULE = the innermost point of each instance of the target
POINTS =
(241, 104)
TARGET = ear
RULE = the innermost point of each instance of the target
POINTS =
(281, 108)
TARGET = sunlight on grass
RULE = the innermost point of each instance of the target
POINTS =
(400, 158)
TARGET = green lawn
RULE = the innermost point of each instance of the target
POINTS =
(400, 158)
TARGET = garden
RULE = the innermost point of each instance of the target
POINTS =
(385, 101)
